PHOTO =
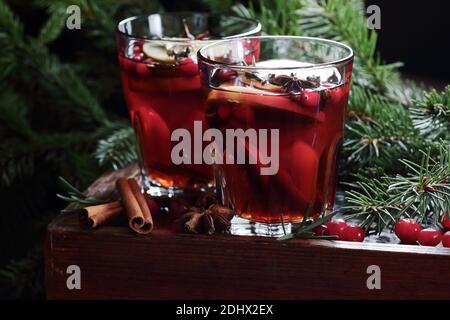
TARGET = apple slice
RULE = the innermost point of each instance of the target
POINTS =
(164, 85)
(153, 137)
(261, 99)
(259, 84)
(157, 53)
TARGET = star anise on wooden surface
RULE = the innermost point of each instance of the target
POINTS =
(216, 218)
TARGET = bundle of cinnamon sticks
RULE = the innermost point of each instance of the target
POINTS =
(132, 203)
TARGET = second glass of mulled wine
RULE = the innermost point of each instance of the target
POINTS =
(158, 63)
(281, 115)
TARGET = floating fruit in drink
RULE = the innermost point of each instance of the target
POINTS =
(161, 83)
(307, 147)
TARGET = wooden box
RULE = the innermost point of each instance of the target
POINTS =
(116, 264)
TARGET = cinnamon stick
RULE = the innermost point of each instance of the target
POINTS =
(136, 189)
(94, 216)
(138, 221)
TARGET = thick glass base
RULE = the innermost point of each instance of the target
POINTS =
(155, 189)
(244, 227)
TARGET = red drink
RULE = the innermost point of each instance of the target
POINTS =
(157, 55)
(162, 98)
(297, 87)
(310, 135)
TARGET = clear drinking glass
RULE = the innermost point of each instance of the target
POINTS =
(281, 102)
(158, 63)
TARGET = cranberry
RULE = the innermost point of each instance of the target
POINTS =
(407, 230)
(429, 237)
(244, 115)
(303, 170)
(446, 239)
(139, 56)
(446, 221)
(310, 99)
(353, 233)
(127, 65)
(321, 230)
(142, 70)
(137, 49)
(336, 95)
(223, 75)
(188, 67)
(224, 111)
(336, 227)
(153, 132)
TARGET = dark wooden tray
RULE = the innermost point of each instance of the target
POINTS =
(117, 264)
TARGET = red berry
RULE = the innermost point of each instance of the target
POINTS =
(224, 111)
(188, 67)
(223, 75)
(137, 49)
(429, 237)
(407, 230)
(142, 69)
(310, 99)
(244, 115)
(321, 230)
(138, 56)
(446, 239)
(336, 95)
(353, 233)
(336, 227)
(446, 221)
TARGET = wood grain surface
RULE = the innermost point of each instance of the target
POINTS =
(117, 264)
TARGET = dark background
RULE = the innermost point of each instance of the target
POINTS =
(416, 33)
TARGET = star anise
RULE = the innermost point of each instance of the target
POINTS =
(179, 52)
(215, 218)
(293, 85)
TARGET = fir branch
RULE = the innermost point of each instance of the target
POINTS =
(56, 77)
(345, 22)
(19, 156)
(23, 278)
(378, 132)
(431, 114)
(13, 113)
(54, 24)
(277, 17)
(423, 193)
(10, 25)
(117, 150)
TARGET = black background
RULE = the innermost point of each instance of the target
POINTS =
(416, 33)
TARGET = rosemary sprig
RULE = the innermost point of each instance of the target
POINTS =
(306, 227)
(76, 196)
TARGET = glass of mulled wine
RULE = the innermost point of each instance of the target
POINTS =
(161, 83)
(281, 117)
